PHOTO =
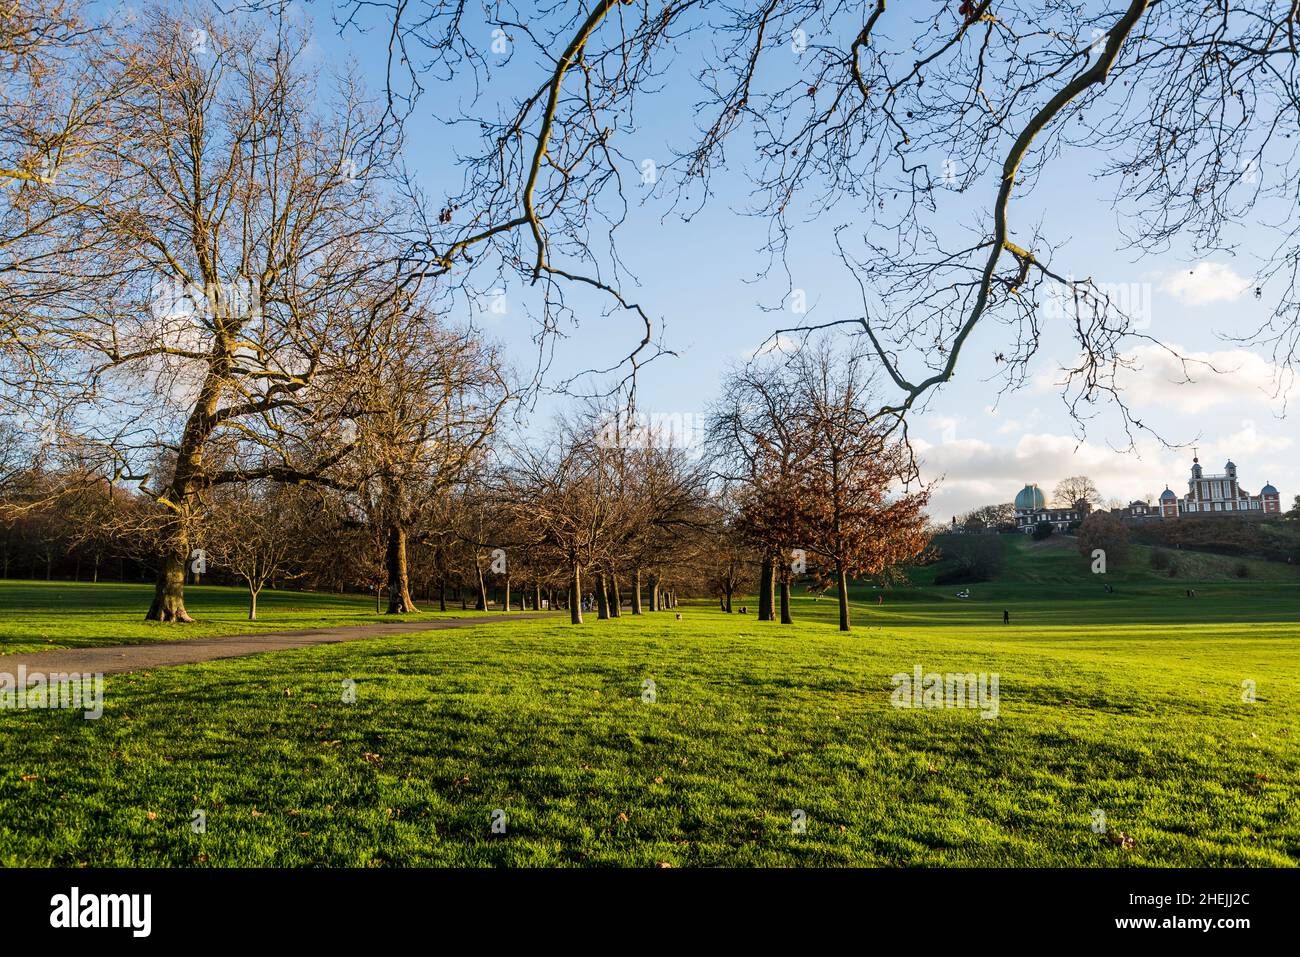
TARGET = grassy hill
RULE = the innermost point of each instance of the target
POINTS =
(1056, 560)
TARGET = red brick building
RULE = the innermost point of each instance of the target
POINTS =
(1219, 494)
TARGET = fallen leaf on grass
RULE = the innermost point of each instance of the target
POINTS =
(1121, 840)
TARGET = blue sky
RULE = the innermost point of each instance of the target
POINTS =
(696, 281)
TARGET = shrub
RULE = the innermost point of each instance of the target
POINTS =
(1242, 570)
(971, 558)
(1042, 530)
(1159, 559)
(1104, 531)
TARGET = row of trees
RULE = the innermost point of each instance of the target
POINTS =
(796, 485)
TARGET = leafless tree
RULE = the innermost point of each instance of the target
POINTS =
(430, 397)
(253, 535)
(237, 261)
(1077, 488)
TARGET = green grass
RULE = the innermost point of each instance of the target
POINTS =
(39, 616)
(1056, 560)
(1130, 703)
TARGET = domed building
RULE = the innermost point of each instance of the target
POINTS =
(1031, 509)
(1030, 499)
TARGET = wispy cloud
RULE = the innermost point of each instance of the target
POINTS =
(1206, 283)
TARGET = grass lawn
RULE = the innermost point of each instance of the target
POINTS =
(1129, 703)
(40, 616)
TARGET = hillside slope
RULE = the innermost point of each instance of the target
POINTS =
(1056, 560)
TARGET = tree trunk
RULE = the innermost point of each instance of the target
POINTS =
(602, 597)
(575, 594)
(636, 591)
(442, 594)
(842, 584)
(786, 619)
(730, 589)
(169, 590)
(95, 573)
(399, 584)
(537, 596)
(481, 603)
(654, 593)
(615, 599)
(505, 594)
(766, 595)
(252, 604)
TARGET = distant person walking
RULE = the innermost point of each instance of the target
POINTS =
(1006, 617)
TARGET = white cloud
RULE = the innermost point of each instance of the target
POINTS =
(1226, 377)
(1205, 283)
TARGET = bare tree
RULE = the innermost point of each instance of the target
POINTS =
(431, 397)
(563, 499)
(253, 535)
(1075, 489)
(51, 102)
(756, 442)
(236, 262)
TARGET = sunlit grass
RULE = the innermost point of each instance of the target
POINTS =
(38, 616)
(1102, 707)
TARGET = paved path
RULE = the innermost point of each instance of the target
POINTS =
(188, 651)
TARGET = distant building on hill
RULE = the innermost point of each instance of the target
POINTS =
(1219, 495)
(1031, 510)
(1213, 495)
